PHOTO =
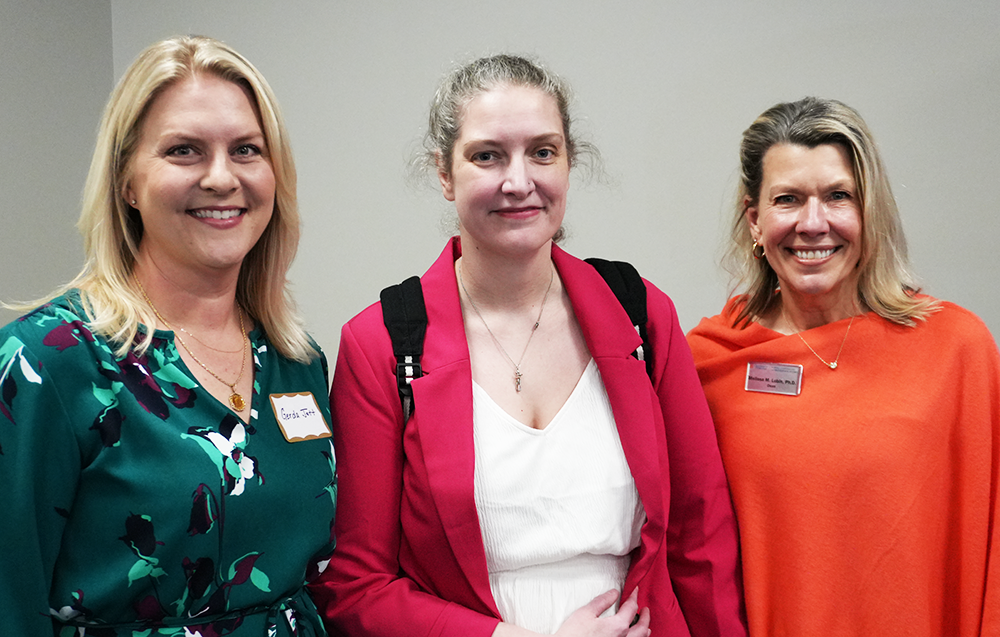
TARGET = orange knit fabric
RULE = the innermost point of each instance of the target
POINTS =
(867, 505)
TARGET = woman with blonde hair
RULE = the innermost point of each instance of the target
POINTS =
(859, 420)
(165, 462)
(547, 481)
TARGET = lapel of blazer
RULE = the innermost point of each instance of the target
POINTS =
(612, 338)
(443, 400)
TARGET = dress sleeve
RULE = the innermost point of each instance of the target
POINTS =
(364, 591)
(40, 463)
(702, 541)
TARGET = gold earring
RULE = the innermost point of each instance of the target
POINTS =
(753, 250)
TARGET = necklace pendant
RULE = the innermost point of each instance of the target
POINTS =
(517, 380)
(236, 402)
(833, 365)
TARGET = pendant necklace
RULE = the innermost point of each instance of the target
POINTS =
(517, 365)
(236, 401)
(832, 365)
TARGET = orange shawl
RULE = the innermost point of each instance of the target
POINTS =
(867, 505)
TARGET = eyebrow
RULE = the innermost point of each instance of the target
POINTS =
(186, 137)
(842, 184)
(552, 138)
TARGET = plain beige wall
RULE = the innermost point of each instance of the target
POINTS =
(663, 88)
(55, 75)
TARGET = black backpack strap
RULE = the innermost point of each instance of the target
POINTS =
(405, 318)
(629, 289)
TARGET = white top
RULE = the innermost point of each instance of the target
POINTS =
(558, 507)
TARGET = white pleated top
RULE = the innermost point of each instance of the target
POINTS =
(558, 507)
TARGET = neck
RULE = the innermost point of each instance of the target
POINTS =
(505, 282)
(189, 301)
(796, 314)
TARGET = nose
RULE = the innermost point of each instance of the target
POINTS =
(812, 218)
(517, 180)
(219, 176)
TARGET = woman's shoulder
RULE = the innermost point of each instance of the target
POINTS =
(59, 323)
(54, 342)
(954, 313)
(722, 323)
(950, 320)
(719, 336)
(366, 321)
(368, 325)
(657, 301)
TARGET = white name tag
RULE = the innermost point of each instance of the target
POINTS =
(774, 378)
(299, 417)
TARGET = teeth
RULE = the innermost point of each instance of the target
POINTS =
(813, 254)
(217, 214)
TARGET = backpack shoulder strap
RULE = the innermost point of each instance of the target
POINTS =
(629, 289)
(405, 318)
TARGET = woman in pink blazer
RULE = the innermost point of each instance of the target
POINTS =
(545, 483)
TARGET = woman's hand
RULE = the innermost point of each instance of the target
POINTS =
(587, 621)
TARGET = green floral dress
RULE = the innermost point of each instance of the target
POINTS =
(133, 503)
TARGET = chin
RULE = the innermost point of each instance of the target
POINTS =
(818, 289)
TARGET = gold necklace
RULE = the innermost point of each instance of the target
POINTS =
(236, 401)
(832, 365)
(214, 349)
(517, 365)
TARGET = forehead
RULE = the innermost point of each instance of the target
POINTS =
(795, 162)
(511, 109)
(202, 98)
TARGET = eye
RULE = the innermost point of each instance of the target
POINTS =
(484, 156)
(181, 150)
(840, 195)
(545, 153)
(784, 199)
(247, 150)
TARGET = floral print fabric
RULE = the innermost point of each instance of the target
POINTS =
(133, 503)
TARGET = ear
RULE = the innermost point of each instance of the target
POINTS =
(750, 213)
(128, 194)
(447, 187)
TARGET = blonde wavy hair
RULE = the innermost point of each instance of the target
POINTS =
(886, 285)
(112, 229)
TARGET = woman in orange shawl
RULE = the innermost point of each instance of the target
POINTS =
(858, 420)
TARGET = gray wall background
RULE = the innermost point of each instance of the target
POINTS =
(664, 89)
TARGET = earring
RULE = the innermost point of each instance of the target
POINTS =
(753, 250)
(133, 202)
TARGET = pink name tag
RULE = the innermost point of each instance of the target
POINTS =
(774, 378)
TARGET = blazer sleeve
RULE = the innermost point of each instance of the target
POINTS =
(702, 539)
(364, 590)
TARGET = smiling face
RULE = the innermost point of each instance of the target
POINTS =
(201, 177)
(510, 171)
(808, 220)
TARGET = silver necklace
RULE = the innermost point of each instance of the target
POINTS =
(517, 365)
(832, 365)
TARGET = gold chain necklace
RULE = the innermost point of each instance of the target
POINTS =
(832, 365)
(214, 349)
(517, 365)
(236, 401)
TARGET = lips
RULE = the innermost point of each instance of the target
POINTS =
(519, 210)
(808, 255)
(229, 213)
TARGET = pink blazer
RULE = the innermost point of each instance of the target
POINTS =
(410, 559)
